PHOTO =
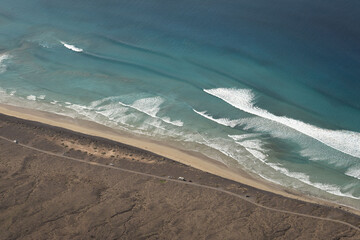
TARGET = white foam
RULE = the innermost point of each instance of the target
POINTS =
(345, 141)
(81, 109)
(151, 106)
(12, 93)
(354, 172)
(71, 47)
(176, 122)
(220, 144)
(3, 57)
(109, 112)
(253, 146)
(31, 97)
(332, 189)
(223, 121)
(99, 102)
(113, 111)
(244, 136)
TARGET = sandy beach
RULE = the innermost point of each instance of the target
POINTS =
(67, 178)
(192, 159)
(188, 158)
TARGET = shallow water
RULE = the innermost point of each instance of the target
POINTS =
(272, 88)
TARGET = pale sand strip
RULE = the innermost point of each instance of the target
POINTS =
(192, 159)
(242, 197)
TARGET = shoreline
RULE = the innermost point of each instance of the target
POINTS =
(61, 183)
(192, 159)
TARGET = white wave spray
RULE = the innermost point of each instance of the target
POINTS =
(345, 141)
(151, 106)
(253, 146)
(223, 121)
(3, 57)
(71, 47)
(330, 188)
(354, 172)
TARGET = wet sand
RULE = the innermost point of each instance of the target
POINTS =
(45, 196)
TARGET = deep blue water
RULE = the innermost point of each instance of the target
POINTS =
(271, 87)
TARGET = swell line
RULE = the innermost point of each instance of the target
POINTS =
(344, 141)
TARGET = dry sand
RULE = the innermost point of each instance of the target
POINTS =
(44, 196)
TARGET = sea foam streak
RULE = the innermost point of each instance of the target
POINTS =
(151, 106)
(345, 141)
(253, 146)
(354, 172)
(223, 121)
(332, 189)
(71, 47)
(3, 57)
(31, 97)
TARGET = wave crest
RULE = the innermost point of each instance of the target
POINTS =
(151, 106)
(223, 121)
(344, 141)
(3, 57)
(71, 47)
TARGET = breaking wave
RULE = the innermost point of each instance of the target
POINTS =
(253, 146)
(71, 47)
(3, 57)
(223, 121)
(330, 188)
(32, 97)
(347, 142)
(151, 106)
(353, 172)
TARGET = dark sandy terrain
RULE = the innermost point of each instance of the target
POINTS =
(44, 196)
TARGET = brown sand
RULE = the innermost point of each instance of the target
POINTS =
(44, 196)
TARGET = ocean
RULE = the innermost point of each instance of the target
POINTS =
(270, 87)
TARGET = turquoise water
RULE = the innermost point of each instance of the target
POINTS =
(271, 87)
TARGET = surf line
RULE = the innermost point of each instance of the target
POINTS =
(71, 47)
(347, 142)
